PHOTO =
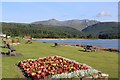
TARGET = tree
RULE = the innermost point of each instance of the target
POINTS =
(89, 36)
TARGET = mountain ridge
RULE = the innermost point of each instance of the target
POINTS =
(102, 30)
(105, 29)
(74, 23)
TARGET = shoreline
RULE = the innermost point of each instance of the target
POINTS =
(95, 47)
(81, 45)
(69, 39)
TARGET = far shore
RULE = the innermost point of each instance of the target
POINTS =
(101, 48)
(69, 39)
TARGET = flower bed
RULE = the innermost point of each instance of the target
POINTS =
(55, 67)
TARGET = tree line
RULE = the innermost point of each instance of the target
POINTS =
(43, 31)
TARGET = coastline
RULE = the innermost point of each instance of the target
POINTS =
(81, 45)
(69, 39)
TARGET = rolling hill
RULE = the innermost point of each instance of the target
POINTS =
(39, 30)
(105, 29)
(102, 30)
(75, 23)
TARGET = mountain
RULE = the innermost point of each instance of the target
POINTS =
(105, 29)
(102, 30)
(39, 31)
(75, 23)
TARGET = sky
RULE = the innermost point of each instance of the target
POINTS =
(60, 0)
(27, 12)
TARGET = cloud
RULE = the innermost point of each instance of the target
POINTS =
(103, 14)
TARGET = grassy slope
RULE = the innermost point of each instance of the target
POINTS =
(104, 61)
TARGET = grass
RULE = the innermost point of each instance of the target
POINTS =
(101, 60)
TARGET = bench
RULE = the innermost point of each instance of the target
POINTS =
(12, 52)
(89, 48)
(29, 42)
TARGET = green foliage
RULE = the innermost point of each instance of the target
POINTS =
(103, 30)
(39, 31)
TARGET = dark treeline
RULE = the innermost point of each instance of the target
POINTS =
(39, 31)
(104, 30)
(42, 31)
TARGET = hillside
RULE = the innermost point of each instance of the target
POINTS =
(39, 30)
(75, 23)
(103, 30)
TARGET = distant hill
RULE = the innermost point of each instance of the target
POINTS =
(39, 30)
(102, 30)
(105, 29)
(75, 23)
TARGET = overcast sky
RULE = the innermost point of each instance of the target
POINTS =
(27, 12)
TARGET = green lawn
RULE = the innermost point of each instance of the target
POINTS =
(101, 60)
